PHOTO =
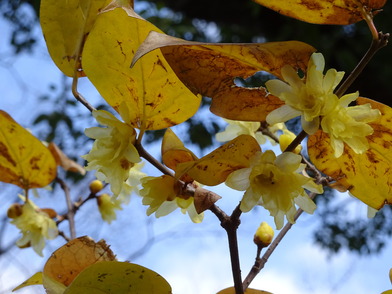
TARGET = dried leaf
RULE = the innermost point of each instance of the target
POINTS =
(118, 277)
(24, 160)
(367, 176)
(64, 161)
(215, 167)
(72, 258)
(210, 69)
(65, 25)
(336, 12)
(150, 93)
(204, 199)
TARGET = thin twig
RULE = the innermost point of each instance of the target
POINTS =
(143, 153)
(300, 137)
(70, 207)
(79, 96)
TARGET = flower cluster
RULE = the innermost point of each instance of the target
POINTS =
(162, 196)
(113, 153)
(276, 184)
(314, 100)
(34, 224)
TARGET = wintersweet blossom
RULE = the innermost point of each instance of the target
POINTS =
(132, 184)
(113, 153)
(276, 184)
(349, 125)
(236, 128)
(309, 98)
(35, 226)
(107, 207)
(161, 195)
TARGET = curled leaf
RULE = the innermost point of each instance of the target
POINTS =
(209, 69)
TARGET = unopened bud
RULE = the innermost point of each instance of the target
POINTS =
(264, 235)
(96, 186)
(285, 140)
(15, 210)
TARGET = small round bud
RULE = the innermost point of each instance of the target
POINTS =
(15, 210)
(49, 211)
(285, 140)
(96, 186)
(264, 235)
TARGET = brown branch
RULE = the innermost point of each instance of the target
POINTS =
(79, 96)
(143, 153)
(70, 208)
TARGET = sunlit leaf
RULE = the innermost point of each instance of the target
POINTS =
(65, 25)
(64, 161)
(35, 279)
(173, 150)
(336, 12)
(214, 168)
(210, 69)
(24, 160)
(231, 290)
(118, 277)
(367, 176)
(72, 258)
(152, 94)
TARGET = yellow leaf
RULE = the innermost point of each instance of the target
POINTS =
(209, 69)
(72, 258)
(35, 279)
(173, 150)
(24, 160)
(215, 167)
(367, 176)
(231, 290)
(336, 12)
(118, 277)
(65, 25)
(152, 95)
(387, 292)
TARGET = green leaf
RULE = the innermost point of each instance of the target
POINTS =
(118, 277)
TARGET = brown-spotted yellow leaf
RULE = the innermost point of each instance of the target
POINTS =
(35, 279)
(65, 25)
(210, 69)
(173, 150)
(118, 277)
(337, 12)
(72, 258)
(150, 92)
(367, 176)
(24, 160)
(231, 290)
(215, 167)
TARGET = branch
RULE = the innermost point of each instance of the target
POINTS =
(79, 96)
(70, 212)
(151, 159)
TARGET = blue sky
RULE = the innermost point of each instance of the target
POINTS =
(192, 257)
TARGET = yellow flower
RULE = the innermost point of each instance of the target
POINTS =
(107, 207)
(35, 226)
(285, 140)
(132, 183)
(161, 195)
(276, 184)
(113, 153)
(309, 98)
(349, 125)
(236, 128)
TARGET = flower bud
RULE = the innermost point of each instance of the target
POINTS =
(264, 235)
(49, 211)
(15, 210)
(96, 186)
(285, 140)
